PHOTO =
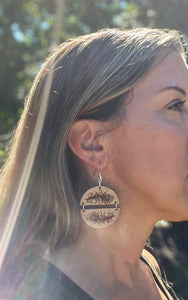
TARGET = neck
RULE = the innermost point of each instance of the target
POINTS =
(126, 238)
(106, 255)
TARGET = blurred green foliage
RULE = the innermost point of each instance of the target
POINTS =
(27, 34)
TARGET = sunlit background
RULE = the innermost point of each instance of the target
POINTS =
(29, 30)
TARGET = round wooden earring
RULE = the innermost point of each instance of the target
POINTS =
(99, 206)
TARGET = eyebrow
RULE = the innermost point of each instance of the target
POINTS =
(176, 88)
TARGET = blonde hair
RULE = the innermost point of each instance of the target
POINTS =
(92, 75)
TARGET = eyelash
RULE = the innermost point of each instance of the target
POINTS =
(177, 105)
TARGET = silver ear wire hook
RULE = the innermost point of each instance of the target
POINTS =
(100, 177)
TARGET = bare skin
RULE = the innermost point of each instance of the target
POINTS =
(145, 160)
(104, 274)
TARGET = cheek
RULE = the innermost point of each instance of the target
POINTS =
(152, 153)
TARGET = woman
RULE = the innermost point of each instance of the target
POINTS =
(111, 161)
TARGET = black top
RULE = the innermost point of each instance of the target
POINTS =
(37, 279)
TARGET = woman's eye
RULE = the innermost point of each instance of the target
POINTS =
(176, 105)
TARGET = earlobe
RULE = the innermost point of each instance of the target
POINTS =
(85, 143)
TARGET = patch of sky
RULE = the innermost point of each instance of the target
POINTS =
(22, 37)
(44, 25)
(17, 33)
(123, 4)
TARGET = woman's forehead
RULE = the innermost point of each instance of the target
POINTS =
(171, 71)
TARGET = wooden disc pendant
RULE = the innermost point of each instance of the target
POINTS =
(99, 207)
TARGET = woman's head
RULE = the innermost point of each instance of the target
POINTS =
(93, 76)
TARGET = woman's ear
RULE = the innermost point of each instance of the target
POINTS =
(86, 142)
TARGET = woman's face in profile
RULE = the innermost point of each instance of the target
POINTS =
(149, 155)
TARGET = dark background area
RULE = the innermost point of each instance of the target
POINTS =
(29, 30)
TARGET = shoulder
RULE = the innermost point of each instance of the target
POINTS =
(152, 260)
(31, 278)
